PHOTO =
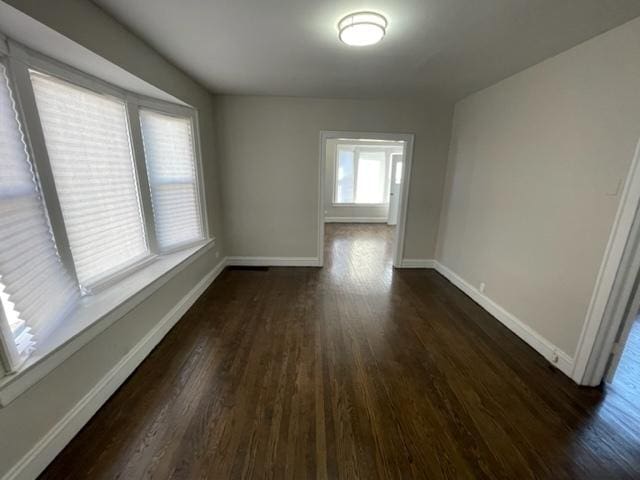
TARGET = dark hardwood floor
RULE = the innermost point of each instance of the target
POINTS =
(350, 371)
(626, 381)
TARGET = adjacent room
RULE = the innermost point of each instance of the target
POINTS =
(363, 195)
(301, 239)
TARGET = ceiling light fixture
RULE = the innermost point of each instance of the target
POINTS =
(362, 28)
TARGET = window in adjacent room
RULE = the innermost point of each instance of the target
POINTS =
(345, 176)
(361, 176)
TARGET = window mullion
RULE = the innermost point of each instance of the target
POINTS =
(336, 167)
(137, 147)
(197, 151)
(34, 138)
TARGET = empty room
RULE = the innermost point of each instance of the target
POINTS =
(337, 240)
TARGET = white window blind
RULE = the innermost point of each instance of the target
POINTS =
(170, 158)
(35, 290)
(89, 149)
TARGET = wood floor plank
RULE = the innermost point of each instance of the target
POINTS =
(352, 371)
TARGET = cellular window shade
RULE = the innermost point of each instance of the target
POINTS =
(89, 149)
(35, 290)
(170, 158)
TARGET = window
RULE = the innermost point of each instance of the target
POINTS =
(345, 178)
(170, 156)
(361, 175)
(102, 187)
(398, 179)
(35, 290)
(90, 155)
(370, 181)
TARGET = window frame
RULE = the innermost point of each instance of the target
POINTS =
(356, 160)
(176, 111)
(19, 60)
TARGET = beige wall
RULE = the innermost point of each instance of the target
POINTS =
(378, 212)
(534, 166)
(269, 151)
(28, 418)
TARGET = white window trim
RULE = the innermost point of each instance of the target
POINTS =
(192, 114)
(356, 156)
(107, 302)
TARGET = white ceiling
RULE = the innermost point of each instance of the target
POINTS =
(433, 47)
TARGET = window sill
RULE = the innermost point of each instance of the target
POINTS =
(94, 315)
(359, 204)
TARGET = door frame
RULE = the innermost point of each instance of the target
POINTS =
(408, 139)
(393, 165)
(614, 289)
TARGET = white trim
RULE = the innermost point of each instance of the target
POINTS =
(360, 205)
(95, 314)
(543, 346)
(183, 113)
(142, 179)
(408, 139)
(43, 452)
(417, 263)
(355, 219)
(599, 318)
(273, 262)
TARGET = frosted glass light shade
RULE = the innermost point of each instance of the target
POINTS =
(362, 28)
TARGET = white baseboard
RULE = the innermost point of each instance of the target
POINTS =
(43, 452)
(517, 326)
(273, 261)
(355, 219)
(417, 263)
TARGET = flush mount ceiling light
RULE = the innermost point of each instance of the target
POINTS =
(362, 28)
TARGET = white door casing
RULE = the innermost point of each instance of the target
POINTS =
(394, 187)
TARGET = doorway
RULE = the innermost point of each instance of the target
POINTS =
(364, 179)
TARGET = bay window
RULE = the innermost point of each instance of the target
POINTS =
(96, 183)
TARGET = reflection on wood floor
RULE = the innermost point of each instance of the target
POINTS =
(352, 371)
(626, 381)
